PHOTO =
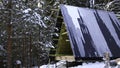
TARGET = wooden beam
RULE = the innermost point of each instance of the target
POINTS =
(64, 33)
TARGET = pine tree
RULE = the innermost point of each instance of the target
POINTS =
(26, 30)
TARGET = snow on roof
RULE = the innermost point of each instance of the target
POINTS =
(92, 32)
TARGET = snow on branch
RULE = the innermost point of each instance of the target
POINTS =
(31, 16)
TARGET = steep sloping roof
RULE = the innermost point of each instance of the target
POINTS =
(92, 32)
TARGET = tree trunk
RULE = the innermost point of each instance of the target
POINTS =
(9, 30)
(9, 44)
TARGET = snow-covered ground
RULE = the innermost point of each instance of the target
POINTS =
(92, 65)
(61, 64)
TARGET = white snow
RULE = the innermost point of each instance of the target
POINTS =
(33, 17)
(56, 34)
(118, 63)
(39, 5)
(1, 48)
(49, 45)
(117, 24)
(73, 12)
(91, 65)
(18, 62)
(71, 15)
(27, 10)
(104, 16)
(96, 34)
(38, 18)
(61, 64)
